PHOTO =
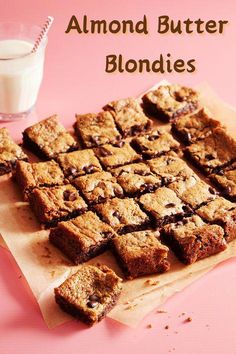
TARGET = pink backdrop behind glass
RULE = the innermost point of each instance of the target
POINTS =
(75, 81)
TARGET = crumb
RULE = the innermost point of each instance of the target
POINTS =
(167, 327)
(182, 314)
(20, 276)
(176, 332)
(127, 302)
(189, 319)
(52, 273)
(130, 307)
(161, 311)
(149, 325)
(151, 282)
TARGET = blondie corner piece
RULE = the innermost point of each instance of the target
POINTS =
(169, 102)
(214, 152)
(48, 138)
(129, 116)
(222, 212)
(96, 129)
(191, 239)
(55, 204)
(82, 238)
(10, 153)
(90, 293)
(194, 127)
(38, 174)
(140, 253)
(225, 180)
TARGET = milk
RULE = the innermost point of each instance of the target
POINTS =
(20, 76)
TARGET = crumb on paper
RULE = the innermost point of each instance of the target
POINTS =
(182, 314)
(161, 311)
(188, 319)
(151, 282)
(149, 325)
(167, 327)
(20, 276)
(52, 273)
(130, 307)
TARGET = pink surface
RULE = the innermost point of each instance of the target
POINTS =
(75, 81)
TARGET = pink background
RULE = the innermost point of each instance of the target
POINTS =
(75, 81)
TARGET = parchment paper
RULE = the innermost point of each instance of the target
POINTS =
(44, 267)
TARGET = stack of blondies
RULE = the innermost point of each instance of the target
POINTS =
(122, 184)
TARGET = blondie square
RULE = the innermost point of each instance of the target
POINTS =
(82, 238)
(225, 179)
(129, 116)
(191, 239)
(140, 253)
(39, 174)
(170, 168)
(96, 129)
(136, 178)
(155, 143)
(98, 186)
(79, 163)
(113, 156)
(193, 191)
(90, 293)
(10, 152)
(55, 204)
(220, 211)
(164, 206)
(169, 102)
(213, 152)
(194, 127)
(123, 215)
(48, 138)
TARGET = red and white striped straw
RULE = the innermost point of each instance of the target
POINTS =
(43, 33)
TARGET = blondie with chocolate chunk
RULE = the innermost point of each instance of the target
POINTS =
(10, 152)
(170, 168)
(194, 127)
(98, 187)
(48, 138)
(55, 204)
(169, 102)
(193, 191)
(164, 206)
(140, 253)
(192, 239)
(221, 211)
(39, 174)
(79, 163)
(113, 156)
(136, 178)
(155, 143)
(96, 129)
(225, 179)
(90, 293)
(129, 116)
(123, 215)
(213, 152)
(82, 238)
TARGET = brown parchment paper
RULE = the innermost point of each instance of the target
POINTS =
(44, 267)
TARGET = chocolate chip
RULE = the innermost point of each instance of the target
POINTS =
(104, 152)
(116, 215)
(147, 187)
(186, 209)
(228, 190)
(153, 137)
(220, 172)
(73, 171)
(212, 190)
(119, 143)
(69, 196)
(188, 137)
(185, 221)
(169, 179)
(92, 304)
(95, 139)
(209, 157)
(170, 205)
(89, 168)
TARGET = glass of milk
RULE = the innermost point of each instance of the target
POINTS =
(21, 71)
